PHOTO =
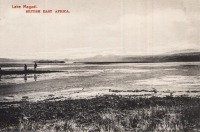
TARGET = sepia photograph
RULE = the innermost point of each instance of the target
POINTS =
(100, 65)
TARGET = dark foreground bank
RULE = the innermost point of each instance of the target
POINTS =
(3, 72)
(104, 113)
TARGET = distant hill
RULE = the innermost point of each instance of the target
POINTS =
(178, 57)
(173, 57)
(184, 51)
(7, 60)
(101, 58)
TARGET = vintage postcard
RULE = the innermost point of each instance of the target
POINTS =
(100, 65)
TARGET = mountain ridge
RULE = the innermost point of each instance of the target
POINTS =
(173, 57)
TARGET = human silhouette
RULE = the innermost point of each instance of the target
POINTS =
(35, 66)
(25, 67)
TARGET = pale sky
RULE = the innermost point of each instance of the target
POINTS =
(98, 27)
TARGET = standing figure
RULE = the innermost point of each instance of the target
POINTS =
(35, 66)
(25, 67)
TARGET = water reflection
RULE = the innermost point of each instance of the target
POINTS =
(35, 77)
(25, 77)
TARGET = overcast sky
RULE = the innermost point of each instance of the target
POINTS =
(93, 27)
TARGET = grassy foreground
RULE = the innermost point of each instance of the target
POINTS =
(104, 113)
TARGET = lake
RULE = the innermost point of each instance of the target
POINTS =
(146, 79)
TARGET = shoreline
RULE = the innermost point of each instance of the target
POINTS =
(89, 93)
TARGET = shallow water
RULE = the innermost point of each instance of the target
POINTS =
(180, 78)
